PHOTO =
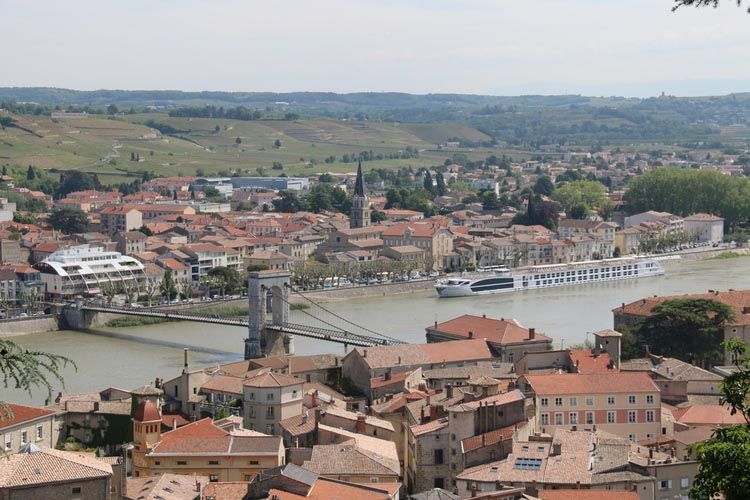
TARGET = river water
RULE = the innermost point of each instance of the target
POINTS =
(131, 357)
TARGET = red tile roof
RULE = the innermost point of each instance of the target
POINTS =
(586, 362)
(591, 383)
(580, 494)
(22, 413)
(707, 415)
(488, 438)
(496, 331)
(146, 412)
(327, 489)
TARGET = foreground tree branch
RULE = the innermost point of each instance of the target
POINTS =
(701, 3)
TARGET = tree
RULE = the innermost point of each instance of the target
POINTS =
(69, 220)
(30, 174)
(168, 288)
(288, 202)
(592, 194)
(688, 329)
(579, 211)
(427, 183)
(544, 186)
(701, 3)
(238, 141)
(226, 279)
(112, 109)
(277, 144)
(440, 188)
(377, 216)
(723, 461)
(277, 166)
(74, 180)
(490, 200)
(27, 370)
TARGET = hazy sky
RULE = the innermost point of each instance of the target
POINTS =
(593, 47)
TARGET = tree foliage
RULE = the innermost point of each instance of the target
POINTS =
(688, 329)
(685, 192)
(589, 194)
(69, 220)
(723, 461)
(701, 3)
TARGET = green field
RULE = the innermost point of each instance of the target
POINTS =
(104, 146)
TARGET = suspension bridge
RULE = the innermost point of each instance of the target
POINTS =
(268, 334)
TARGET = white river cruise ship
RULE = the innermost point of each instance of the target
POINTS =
(532, 277)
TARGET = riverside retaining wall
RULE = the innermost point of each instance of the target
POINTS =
(22, 326)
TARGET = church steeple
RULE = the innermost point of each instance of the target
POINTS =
(359, 185)
(360, 216)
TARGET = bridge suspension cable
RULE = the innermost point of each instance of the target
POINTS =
(393, 339)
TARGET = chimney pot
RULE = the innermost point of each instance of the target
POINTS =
(364, 353)
(532, 333)
(471, 335)
(361, 419)
(185, 351)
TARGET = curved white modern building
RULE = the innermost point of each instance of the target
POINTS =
(81, 270)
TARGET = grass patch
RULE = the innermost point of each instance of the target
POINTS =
(299, 306)
(728, 255)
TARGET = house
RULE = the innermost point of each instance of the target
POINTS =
(705, 227)
(362, 365)
(624, 404)
(200, 448)
(508, 340)
(268, 398)
(130, 242)
(28, 424)
(579, 460)
(602, 232)
(673, 223)
(353, 462)
(40, 472)
(433, 238)
(268, 259)
(119, 219)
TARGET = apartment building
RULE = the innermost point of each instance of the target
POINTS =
(603, 233)
(116, 219)
(29, 425)
(268, 398)
(434, 239)
(624, 404)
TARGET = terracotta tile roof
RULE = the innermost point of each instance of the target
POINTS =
(237, 490)
(352, 416)
(418, 229)
(146, 412)
(172, 419)
(707, 415)
(496, 331)
(299, 425)
(396, 378)
(587, 362)
(164, 486)
(432, 426)
(22, 413)
(47, 465)
(499, 399)
(349, 458)
(488, 438)
(579, 494)
(224, 383)
(327, 489)
(204, 436)
(591, 383)
(270, 379)
(424, 354)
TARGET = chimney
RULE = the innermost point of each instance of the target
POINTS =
(556, 449)
(174, 423)
(433, 413)
(364, 353)
(746, 310)
(317, 418)
(449, 391)
(532, 333)
(484, 316)
(197, 484)
(421, 415)
(314, 399)
(622, 306)
(387, 375)
(399, 360)
(185, 357)
(471, 335)
(361, 424)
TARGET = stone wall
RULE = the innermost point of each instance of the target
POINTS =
(351, 292)
(22, 326)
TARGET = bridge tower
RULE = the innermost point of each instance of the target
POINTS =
(262, 339)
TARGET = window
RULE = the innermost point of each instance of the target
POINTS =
(631, 399)
(685, 482)
(611, 417)
(213, 462)
(253, 462)
(439, 482)
(545, 418)
(438, 457)
(181, 462)
(589, 401)
(269, 429)
(632, 438)
(373, 479)
(39, 432)
(294, 393)
(24, 437)
(558, 418)
(573, 418)
(269, 396)
(650, 399)
(665, 485)
(558, 401)
(650, 416)
(213, 478)
(632, 417)
(610, 400)
(573, 401)
(76, 492)
(269, 412)
(589, 417)
(544, 402)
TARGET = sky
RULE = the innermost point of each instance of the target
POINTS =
(498, 47)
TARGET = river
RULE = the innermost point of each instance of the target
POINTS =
(131, 357)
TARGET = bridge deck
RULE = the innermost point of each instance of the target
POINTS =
(332, 335)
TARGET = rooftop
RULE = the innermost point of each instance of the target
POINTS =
(496, 331)
(591, 383)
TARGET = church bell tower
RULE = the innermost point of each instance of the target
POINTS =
(360, 216)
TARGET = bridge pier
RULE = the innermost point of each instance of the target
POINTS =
(262, 341)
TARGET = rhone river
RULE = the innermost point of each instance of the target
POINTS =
(130, 357)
